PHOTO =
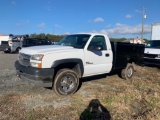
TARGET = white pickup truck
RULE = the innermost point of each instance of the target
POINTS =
(75, 56)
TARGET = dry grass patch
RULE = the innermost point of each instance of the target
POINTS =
(138, 99)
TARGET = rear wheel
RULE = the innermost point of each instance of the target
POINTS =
(18, 49)
(127, 73)
(66, 82)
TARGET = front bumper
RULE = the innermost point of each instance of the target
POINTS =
(41, 77)
(151, 61)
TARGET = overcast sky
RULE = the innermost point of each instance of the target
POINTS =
(116, 18)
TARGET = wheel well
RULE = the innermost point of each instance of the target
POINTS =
(70, 65)
(18, 47)
(132, 60)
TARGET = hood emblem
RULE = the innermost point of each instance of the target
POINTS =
(89, 62)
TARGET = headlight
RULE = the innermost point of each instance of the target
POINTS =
(37, 57)
(36, 60)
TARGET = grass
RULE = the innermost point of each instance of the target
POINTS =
(122, 100)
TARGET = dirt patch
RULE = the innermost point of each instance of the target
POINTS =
(117, 98)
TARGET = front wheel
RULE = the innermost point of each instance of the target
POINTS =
(66, 82)
(127, 73)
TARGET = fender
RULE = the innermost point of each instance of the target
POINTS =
(73, 60)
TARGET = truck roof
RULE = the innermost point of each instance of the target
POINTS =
(89, 33)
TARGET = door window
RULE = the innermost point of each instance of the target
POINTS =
(97, 41)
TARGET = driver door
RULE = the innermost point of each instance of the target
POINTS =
(97, 61)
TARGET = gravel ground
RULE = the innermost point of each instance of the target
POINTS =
(138, 99)
(7, 60)
(18, 93)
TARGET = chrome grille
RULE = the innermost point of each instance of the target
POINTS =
(24, 59)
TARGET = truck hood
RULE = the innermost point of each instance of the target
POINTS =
(46, 49)
(152, 51)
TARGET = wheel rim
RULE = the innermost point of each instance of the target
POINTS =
(67, 83)
(129, 72)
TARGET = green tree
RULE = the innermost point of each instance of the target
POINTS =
(53, 38)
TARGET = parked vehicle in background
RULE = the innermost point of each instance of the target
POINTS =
(13, 43)
(152, 53)
(28, 42)
(78, 55)
(17, 42)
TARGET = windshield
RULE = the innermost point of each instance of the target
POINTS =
(76, 41)
(153, 44)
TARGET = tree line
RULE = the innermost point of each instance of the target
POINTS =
(53, 38)
(57, 38)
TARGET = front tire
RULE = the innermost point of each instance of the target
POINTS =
(66, 82)
(128, 72)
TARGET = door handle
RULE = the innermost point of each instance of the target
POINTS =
(107, 55)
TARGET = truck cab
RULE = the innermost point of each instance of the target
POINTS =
(88, 45)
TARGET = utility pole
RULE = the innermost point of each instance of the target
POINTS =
(143, 17)
(53, 29)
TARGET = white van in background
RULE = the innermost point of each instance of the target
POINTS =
(152, 53)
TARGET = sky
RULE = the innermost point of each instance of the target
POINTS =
(116, 18)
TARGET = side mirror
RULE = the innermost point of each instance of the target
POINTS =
(98, 47)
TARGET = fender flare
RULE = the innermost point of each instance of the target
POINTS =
(74, 60)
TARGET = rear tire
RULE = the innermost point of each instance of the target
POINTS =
(128, 72)
(18, 49)
(66, 82)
